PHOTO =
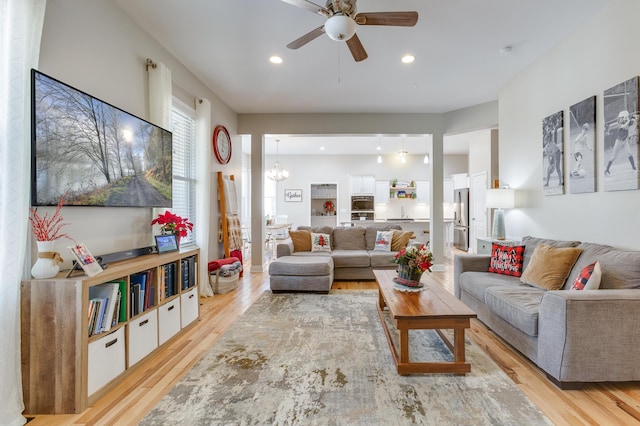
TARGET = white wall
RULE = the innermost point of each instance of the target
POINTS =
(94, 47)
(304, 169)
(600, 55)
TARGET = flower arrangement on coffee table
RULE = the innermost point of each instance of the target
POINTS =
(412, 262)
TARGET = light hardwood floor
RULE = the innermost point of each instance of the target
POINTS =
(127, 404)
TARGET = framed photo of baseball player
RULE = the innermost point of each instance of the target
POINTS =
(582, 161)
(620, 105)
(553, 154)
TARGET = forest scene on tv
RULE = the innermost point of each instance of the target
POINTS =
(93, 153)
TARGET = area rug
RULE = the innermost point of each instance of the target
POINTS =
(309, 359)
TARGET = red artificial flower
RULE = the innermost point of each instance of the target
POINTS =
(173, 224)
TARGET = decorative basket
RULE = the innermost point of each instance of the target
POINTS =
(407, 277)
(223, 285)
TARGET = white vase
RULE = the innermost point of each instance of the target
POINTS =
(45, 267)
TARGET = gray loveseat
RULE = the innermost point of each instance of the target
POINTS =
(352, 250)
(574, 336)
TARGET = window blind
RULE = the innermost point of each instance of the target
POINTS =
(184, 166)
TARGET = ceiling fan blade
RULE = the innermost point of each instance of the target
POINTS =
(311, 35)
(401, 19)
(356, 48)
(306, 4)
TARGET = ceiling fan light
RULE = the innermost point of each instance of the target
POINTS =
(340, 27)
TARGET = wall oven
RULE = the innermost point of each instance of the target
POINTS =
(362, 203)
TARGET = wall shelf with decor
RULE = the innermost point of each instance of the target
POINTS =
(68, 362)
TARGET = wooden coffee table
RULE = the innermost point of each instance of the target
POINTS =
(434, 308)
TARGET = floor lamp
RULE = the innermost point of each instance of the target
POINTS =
(499, 199)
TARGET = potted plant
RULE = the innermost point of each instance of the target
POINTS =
(171, 223)
(412, 262)
(394, 182)
(47, 230)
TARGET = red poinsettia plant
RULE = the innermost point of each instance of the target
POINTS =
(47, 228)
(173, 224)
(418, 258)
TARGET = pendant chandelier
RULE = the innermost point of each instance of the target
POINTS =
(277, 172)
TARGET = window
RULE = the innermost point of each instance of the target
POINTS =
(184, 164)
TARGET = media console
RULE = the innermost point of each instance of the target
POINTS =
(65, 365)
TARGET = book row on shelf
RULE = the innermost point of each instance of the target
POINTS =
(108, 301)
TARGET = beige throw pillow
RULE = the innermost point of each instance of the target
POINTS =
(301, 240)
(550, 266)
(400, 240)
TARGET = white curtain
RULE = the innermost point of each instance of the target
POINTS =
(160, 95)
(160, 102)
(203, 188)
(21, 24)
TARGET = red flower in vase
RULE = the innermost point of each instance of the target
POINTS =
(173, 224)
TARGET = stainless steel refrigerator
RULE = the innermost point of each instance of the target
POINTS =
(461, 219)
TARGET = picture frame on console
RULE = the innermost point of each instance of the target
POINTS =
(553, 154)
(620, 147)
(85, 260)
(582, 161)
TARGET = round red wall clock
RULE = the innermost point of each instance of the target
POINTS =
(222, 144)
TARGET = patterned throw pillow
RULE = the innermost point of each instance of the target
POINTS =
(506, 260)
(320, 242)
(589, 278)
(383, 241)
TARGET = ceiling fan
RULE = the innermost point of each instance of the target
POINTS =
(342, 20)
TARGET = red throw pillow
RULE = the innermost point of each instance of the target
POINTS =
(589, 278)
(506, 260)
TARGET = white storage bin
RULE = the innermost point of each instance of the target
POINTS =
(106, 360)
(142, 336)
(168, 320)
(189, 307)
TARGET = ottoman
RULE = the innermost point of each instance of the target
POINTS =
(301, 273)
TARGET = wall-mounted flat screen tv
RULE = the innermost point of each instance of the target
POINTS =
(94, 153)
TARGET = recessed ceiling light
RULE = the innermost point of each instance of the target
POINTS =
(407, 59)
(275, 59)
(322, 148)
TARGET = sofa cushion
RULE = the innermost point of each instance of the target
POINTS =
(301, 266)
(589, 278)
(517, 305)
(348, 239)
(475, 283)
(316, 229)
(320, 242)
(550, 266)
(351, 258)
(382, 259)
(301, 240)
(530, 244)
(400, 240)
(383, 241)
(506, 260)
(620, 268)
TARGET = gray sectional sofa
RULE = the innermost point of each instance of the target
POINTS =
(352, 250)
(574, 336)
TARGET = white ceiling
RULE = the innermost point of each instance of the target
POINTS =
(226, 44)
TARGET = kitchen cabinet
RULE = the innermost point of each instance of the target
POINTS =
(423, 193)
(362, 185)
(447, 191)
(460, 180)
(382, 192)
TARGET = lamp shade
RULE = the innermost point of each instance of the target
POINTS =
(340, 27)
(501, 198)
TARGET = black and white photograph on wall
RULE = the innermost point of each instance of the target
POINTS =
(553, 154)
(582, 122)
(621, 137)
